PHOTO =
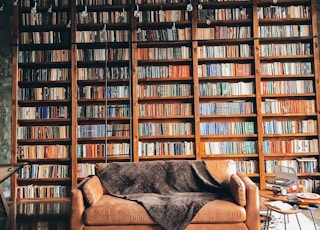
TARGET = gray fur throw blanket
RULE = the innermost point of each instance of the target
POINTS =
(172, 192)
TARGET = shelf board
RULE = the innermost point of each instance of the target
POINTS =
(290, 135)
(276, 155)
(44, 160)
(44, 121)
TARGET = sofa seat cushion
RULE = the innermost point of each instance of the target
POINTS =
(220, 211)
(110, 210)
(116, 211)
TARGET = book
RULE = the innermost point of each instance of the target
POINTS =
(280, 205)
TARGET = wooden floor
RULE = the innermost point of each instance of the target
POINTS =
(37, 216)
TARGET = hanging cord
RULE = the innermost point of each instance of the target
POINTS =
(106, 95)
(130, 102)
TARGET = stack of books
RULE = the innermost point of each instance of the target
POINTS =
(277, 184)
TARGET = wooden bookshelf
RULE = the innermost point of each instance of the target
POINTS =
(142, 80)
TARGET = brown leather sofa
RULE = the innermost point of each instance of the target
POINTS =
(92, 207)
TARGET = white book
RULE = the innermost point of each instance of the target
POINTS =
(280, 205)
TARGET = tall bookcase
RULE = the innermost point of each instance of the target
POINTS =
(121, 80)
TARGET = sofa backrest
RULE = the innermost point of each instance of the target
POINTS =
(221, 170)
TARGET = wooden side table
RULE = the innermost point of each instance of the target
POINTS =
(285, 213)
(268, 194)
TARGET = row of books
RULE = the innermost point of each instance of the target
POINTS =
(299, 11)
(290, 146)
(232, 107)
(224, 32)
(160, 129)
(44, 18)
(269, 106)
(205, 89)
(43, 151)
(45, 3)
(280, 31)
(290, 126)
(224, 14)
(36, 171)
(157, 1)
(54, 74)
(227, 128)
(103, 130)
(241, 50)
(85, 169)
(165, 148)
(99, 111)
(158, 53)
(300, 165)
(49, 37)
(45, 93)
(287, 87)
(286, 68)
(165, 109)
(163, 16)
(102, 36)
(307, 165)
(103, 2)
(42, 191)
(247, 167)
(226, 88)
(120, 72)
(31, 56)
(275, 106)
(100, 150)
(168, 34)
(224, 69)
(43, 132)
(43, 112)
(310, 185)
(98, 92)
(103, 54)
(95, 17)
(230, 147)
(166, 71)
(171, 90)
(286, 49)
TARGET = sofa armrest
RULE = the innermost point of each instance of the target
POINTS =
(77, 207)
(238, 190)
(252, 202)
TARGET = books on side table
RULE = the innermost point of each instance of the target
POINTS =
(280, 205)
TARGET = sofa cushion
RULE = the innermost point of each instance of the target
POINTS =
(92, 190)
(110, 210)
